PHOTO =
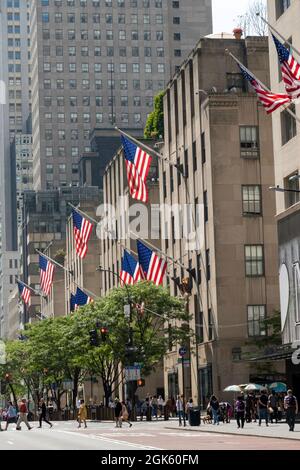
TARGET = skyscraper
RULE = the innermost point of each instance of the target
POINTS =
(14, 112)
(97, 64)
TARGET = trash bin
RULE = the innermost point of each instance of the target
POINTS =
(194, 417)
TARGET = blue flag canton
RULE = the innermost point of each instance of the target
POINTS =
(145, 255)
(129, 149)
(246, 74)
(43, 263)
(21, 287)
(283, 52)
(77, 219)
(128, 263)
(81, 297)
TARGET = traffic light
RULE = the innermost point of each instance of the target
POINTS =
(93, 338)
(7, 378)
(141, 383)
(104, 333)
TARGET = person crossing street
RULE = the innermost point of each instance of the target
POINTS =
(23, 412)
(43, 413)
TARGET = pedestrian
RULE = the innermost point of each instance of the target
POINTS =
(240, 408)
(291, 408)
(188, 408)
(161, 405)
(154, 406)
(214, 406)
(129, 407)
(118, 413)
(273, 407)
(82, 414)
(43, 413)
(263, 408)
(125, 414)
(251, 407)
(11, 415)
(179, 409)
(23, 412)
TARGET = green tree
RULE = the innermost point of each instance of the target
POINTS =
(150, 331)
(155, 123)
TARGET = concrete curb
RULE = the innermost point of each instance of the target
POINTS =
(189, 429)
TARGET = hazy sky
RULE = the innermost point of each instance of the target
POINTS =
(225, 12)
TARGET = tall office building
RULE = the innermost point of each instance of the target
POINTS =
(284, 15)
(14, 112)
(97, 64)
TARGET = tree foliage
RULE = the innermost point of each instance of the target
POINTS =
(155, 123)
(59, 349)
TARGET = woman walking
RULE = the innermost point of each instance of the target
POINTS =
(240, 408)
(43, 413)
(215, 407)
(125, 414)
(11, 415)
(82, 414)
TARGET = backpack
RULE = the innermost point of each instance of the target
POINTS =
(240, 405)
(291, 401)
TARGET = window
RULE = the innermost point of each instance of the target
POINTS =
(71, 18)
(249, 142)
(86, 117)
(136, 101)
(49, 152)
(124, 100)
(59, 67)
(85, 101)
(99, 118)
(146, 19)
(281, 7)
(85, 68)
(47, 67)
(149, 101)
(109, 35)
(148, 68)
(161, 68)
(236, 354)
(47, 101)
(177, 52)
(159, 35)
(251, 200)
(99, 100)
(45, 17)
(110, 51)
(124, 118)
(136, 84)
(159, 19)
(256, 317)
(208, 273)
(122, 52)
(136, 68)
(74, 134)
(96, 18)
(61, 151)
(123, 68)
(121, 18)
(47, 84)
(254, 260)
(158, 3)
(288, 125)
(62, 134)
(203, 150)
(85, 84)
(97, 34)
(134, 35)
(74, 151)
(73, 84)
(72, 67)
(148, 84)
(177, 36)
(160, 52)
(292, 184)
(84, 35)
(123, 85)
(71, 35)
(210, 325)
(97, 51)
(122, 35)
(134, 19)
(73, 117)
(48, 134)
(58, 18)
(59, 51)
(176, 20)
(175, 4)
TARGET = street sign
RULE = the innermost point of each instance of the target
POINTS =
(132, 373)
(185, 362)
(182, 351)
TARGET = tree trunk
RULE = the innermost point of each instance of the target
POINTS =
(75, 389)
(14, 395)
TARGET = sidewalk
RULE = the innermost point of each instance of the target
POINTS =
(279, 431)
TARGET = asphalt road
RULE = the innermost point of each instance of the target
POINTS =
(142, 436)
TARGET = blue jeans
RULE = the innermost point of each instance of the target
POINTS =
(215, 416)
(180, 416)
(263, 414)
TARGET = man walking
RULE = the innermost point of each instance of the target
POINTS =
(179, 408)
(43, 413)
(273, 404)
(263, 408)
(291, 408)
(23, 411)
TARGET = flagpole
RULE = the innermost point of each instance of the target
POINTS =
(83, 213)
(148, 149)
(286, 108)
(28, 287)
(278, 34)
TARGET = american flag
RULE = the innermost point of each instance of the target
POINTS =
(73, 303)
(153, 267)
(25, 293)
(131, 271)
(46, 274)
(290, 70)
(82, 229)
(137, 167)
(270, 101)
(81, 298)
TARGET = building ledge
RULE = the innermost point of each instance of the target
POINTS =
(287, 212)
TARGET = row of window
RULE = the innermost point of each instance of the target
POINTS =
(13, 16)
(97, 84)
(281, 7)
(85, 51)
(85, 68)
(107, 3)
(13, 3)
(96, 18)
(109, 35)
(256, 323)
(86, 101)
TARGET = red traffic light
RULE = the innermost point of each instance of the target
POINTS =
(104, 330)
(7, 377)
(141, 383)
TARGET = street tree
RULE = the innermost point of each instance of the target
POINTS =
(250, 22)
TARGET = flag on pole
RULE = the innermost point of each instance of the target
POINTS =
(46, 274)
(131, 271)
(25, 293)
(270, 101)
(153, 267)
(137, 167)
(290, 70)
(81, 298)
(73, 303)
(82, 229)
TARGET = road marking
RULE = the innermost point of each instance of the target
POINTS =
(112, 441)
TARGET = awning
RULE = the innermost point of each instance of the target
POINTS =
(275, 354)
